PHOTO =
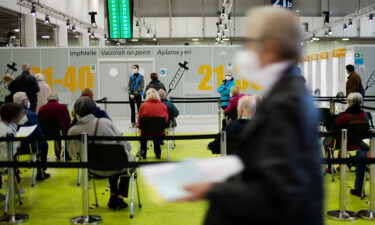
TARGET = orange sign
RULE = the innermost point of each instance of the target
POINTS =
(341, 52)
(324, 55)
(314, 57)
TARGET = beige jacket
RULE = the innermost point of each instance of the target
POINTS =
(105, 128)
(42, 94)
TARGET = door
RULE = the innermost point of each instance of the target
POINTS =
(114, 77)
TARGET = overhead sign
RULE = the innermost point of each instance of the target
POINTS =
(283, 3)
(120, 18)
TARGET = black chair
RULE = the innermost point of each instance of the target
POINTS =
(324, 115)
(232, 146)
(51, 129)
(114, 157)
(355, 134)
(153, 126)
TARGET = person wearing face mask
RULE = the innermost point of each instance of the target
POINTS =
(279, 153)
(31, 120)
(135, 86)
(224, 90)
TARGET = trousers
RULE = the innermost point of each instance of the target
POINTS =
(136, 100)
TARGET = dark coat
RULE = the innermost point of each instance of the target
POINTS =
(282, 181)
(353, 83)
(55, 110)
(26, 83)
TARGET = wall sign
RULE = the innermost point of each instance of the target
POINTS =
(120, 17)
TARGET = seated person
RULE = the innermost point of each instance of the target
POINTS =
(352, 115)
(235, 94)
(246, 109)
(54, 110)
(98, 112)
(152, 107)
(41, 146)
(84, 109)
(172, 110)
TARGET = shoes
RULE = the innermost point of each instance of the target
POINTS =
(121, 204)
(141, 154)
(40, 177)
(356, 192)
(112, 202)
(157, 156)
(132, 125)
(329, 170)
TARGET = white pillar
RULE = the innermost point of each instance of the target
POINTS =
(62, 36)
(29, 30)
(85, 40)
(101, 41)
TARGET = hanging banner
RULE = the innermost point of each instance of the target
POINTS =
(283, 3)
(324, 55)
(315, 57)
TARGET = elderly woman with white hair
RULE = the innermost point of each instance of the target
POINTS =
(43, 92)
(152, 107)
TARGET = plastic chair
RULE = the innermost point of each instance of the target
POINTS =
(114, 156)
(153, 126)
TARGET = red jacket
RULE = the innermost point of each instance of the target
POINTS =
(153, 108)
(55, 110)
(233, 102)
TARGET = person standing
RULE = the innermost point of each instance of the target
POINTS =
(281, 180)
(4, 90)
(43, 92)
(224, 90)
(354, 81)
(28, 84)
(155, 83)
(135, 86)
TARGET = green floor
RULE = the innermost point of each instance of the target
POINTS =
(56, 200)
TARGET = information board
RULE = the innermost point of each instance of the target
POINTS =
(120, 17)
(283, 3)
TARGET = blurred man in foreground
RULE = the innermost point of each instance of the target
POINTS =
(281, 180)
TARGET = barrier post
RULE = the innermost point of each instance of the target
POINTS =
(86, 218)
(332, 106)
(219, 115)
(342, 213)
(12, 217)
(370, 213)
(223, 143)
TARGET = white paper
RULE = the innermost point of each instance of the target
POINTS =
(25, 131)
(169, 179)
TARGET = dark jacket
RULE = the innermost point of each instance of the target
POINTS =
(233, 130)
(172, 112)
(353, 83)
(55, 110)
(281, 183)
(26, 83)
(155, 84)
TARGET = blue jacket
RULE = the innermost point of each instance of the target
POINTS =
(136, 84)
(224, 91)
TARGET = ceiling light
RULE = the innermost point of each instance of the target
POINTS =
(370, 18)
(154, 39)
(92, 35)
(33, 11)
(216, 43)
(46, 20)
(217, 38)
(118, 43)
(316, 39)
(326, 33)
(134, 40)
(330, 31)
(221, 23)
(345, 39)
(226, 28)
(68, 23)
(17, 30)
(136, 23)
(350, 23)
(195, 39)
(105, 37)
(327, 15)
(225, 39)
(74, 28)
(223, 34)
(107, 41)
(223, 15)
(345, 27)
(45, 36)
(92, 17)
(77, 36)
(229, 18)
(89, 30)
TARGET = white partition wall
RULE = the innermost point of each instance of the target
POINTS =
(315, 72)
(342, 77)
(323, 73)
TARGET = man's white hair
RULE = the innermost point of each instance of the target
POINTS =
(279, 24)
(40, 77)
(162, 93)
(152, 94)
(19, 97)
(249, 103)
(354, 99)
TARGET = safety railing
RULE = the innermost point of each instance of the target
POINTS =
(86, 218)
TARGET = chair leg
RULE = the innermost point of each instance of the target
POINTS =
(18, 192)
(173, 141)
(363, 191)
(332, 167)
(95, 193)
(79, 177)
(138, 195)
(6, 207)
(132, 197)
(33, 172)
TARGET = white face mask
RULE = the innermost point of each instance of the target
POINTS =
(247, 63)
(23, 120)
(228, 77)
(28, 105)
(135, 70)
